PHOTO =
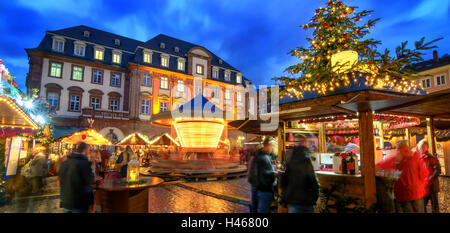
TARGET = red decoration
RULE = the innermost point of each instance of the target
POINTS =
(359, 31)
(357, 19)
(346, 36)
(325, 25)
(339, 4)
(83, 136)
(317, 11)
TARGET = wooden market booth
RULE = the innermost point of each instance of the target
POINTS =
(332, 108)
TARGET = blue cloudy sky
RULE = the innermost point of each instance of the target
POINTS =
(252, 35)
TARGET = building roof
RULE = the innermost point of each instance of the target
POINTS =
(128, 45)
(431, 64)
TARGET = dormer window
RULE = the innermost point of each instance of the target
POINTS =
(176, 49)
(99, 53)
(239, 78)
(117, 42)
(215, 73)
(162, 45)
(147, 56)
(180, 64)
(117, 55)
(79, 48)
(58, 44)
(227, 75)
(165, 60)
(87, 34)
(220, 61)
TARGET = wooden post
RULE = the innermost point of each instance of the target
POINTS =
(281, 134)
(408, 137)
(367, 148)
(322, 139)
(430, 135)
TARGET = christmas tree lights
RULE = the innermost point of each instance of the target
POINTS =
(339, 50)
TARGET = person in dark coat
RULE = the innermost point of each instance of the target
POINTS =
(76, 178)
(299, 183)
(262, 177)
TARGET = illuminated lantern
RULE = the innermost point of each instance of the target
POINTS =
(133, 170)
(112, 162)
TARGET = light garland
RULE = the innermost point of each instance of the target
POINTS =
(19, 111)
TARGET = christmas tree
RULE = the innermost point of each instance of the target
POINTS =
(340, 31)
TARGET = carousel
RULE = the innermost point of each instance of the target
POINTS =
(199, 128)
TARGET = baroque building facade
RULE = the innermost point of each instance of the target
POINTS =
(83, 72)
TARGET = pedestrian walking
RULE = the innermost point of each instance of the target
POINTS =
(76, 178)
(262, 177)
(299, 182)
(409, 189)
(38, 168)
(433, 171)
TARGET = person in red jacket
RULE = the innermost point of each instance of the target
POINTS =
(409, 189)
(433, 172)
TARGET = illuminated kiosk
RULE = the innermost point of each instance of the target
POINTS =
(198, 126)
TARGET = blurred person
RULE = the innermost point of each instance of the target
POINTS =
(38, 168)
(262, 177)
(433, 168)
(409, 189)
(76, 178)
(299, 182)
(123, 159)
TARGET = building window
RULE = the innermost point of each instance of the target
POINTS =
(98, 53)
(426, 83)
(115, 79)
(176, 49)
(181, 64)
(145, 108)
(74, 103)
(58, 45)
(53, 99)
(199, 69)
(117, 42)
(55, 69)
(180, 85)
(86, 34)
(238, 97)
(164, 83)
(163, 106)
(165, 61)
(77, 73)
(162, 45)
(227, 75)
(96, 102)
(146, 80)
(440, 80)
(147, 57)
(79, 50)
(116, 57)
(97, 76)
(239, 78)
(215, 73)
(114, 104)
(227, 94)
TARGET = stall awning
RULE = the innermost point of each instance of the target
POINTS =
(134, 139)
(434, 104)
(252, 126)
(59, 132)
(89, 136)
(12, 116)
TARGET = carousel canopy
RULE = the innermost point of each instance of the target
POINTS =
(199, 107)
(163, 140)
(134, 139)
(88, 136)
(14, 119)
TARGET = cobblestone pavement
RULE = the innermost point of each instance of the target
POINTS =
(230, 196)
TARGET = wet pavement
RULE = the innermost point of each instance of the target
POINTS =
(229, 196)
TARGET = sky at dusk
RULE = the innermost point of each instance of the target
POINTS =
(252, 35)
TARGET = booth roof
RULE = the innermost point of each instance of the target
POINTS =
(59, 132)
(359, 85)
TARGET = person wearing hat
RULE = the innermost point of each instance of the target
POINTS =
(262, 177)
